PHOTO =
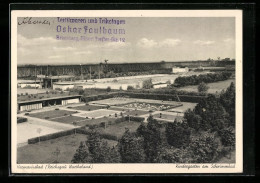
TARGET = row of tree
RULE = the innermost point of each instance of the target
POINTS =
(206, 78)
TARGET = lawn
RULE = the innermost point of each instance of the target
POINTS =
(43, 152)
(166, 116)
(51, 114)
(88, 107)
(119, 128)
(213, 87)
(68, 119)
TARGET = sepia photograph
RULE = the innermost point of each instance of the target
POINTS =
(126, 91)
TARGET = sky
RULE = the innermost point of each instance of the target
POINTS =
(146, 40)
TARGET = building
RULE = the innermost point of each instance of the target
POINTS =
(40, 103)
(160, 85)
(47, 81)
(179, 70)
(62, 86)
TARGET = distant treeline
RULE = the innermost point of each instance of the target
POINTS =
(112, 69)
(206, 78)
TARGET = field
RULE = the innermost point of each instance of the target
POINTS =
(87, 107)
(185, 106)
(51, 114)
(166, 116)
(213, 87)
(68, 119)
(43, 152)
(119, 129)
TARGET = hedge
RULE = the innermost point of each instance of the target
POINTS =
(21, 119)
(108, 136)
(135, 118)
(183, 98)
(50, 136)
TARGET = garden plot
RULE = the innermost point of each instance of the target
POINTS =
(98, 113)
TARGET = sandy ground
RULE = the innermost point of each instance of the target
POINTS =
(29, 129)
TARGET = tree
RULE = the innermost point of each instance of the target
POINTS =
(39, 130)
(56, 153)
(227, 99)
(204, 149)
(153, 140)
(177, 134)
(131, 148)
(108, 89)
(147, 84)
(100, 151)
(203, 88)
(212, 113)
(228, 137)
(193, 120)
(82, 154)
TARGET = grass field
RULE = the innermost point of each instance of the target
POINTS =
(43, 152)
(51, 114)
(68, 119)
(87, 107)
(166, 116)
(119, 129)
(213, 87)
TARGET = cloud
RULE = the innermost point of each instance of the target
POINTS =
(228, 40)
(146, 43)
(169, 43)
(63, 48)
(23, 41)
(55, 56)
(203, 43)
(116, 45)
(82, 52)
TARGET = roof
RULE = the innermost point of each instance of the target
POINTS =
(54, 77)
(39, 100)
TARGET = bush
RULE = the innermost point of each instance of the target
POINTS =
(57, 109)
(21, 119)
(108, 89)
(130, 87)
(135, 118)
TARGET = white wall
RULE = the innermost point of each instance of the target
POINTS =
(160, 86)
(177, 69)
(33, 85)
(31, 107)
(62, 87)
(70, 101)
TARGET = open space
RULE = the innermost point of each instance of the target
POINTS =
(213, 87)
(98, 113)
(44, 152)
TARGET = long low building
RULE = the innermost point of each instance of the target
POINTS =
(40, 103)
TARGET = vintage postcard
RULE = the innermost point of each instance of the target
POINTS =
(137, 91)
